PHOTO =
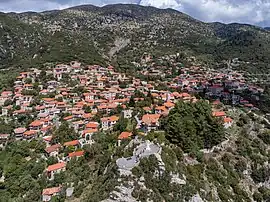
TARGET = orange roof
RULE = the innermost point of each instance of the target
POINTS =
(124, 135)
(227, 120)
(48, 99)
(87, 115)
(52, 148)
(28, 85)
(51, 191)
(89, 131)
(154, 94)
(68, 118)
(36, 123)
(56, 166)
(47, 138)
(169, 104)
(185, 95)
(30, 132)
(72, 143)
(114, 118)
(176, 94)
(162, 108)
(92, 125)
(146, 108)
(40, 107)
(76, 154)
(219, 114)
(150, 118)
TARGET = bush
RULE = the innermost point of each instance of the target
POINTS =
(260, 175)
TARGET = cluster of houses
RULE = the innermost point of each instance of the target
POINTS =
(101, 91)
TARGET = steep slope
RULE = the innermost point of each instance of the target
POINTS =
(121, 33)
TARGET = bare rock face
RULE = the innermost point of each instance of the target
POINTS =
(196, 198)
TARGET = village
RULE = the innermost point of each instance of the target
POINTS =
(92, 99)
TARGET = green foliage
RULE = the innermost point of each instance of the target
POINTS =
(64, 134)
(265, 137)
(8, 102)
(121, 124)
(260, 175)
(21, 175)
(192, 127)
(265, 192)
(52, 160)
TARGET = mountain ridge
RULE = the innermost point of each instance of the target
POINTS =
(148, 29)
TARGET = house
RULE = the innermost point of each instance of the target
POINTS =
(55, 168)
(30, 134)
(108, 122)
(87, 135)
(123, 135)
(150, 122)
(92, 125)
(216, 89)
(74, 143)
(127, 113)
(19, 132)
(219, 114)
(169, 105)
(76, 154)
(53, 150)
(36, 125)
(161, 110)
(48, 193)
(227, 122)
(4, 138)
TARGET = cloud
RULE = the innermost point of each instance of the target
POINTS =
(227, 11)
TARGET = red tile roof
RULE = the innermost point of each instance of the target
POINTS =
(111, 118)
(51, 191)
(19, 130)
(227, 120)
(68, 118)
(219, 114)
(76, 154)
(124, 135)
(92, 125)
(150, 118)
(53, 148)
(30, 132)
(72, 143)
(36, 123)
(56, 166)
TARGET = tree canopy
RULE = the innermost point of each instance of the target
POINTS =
(192, 126)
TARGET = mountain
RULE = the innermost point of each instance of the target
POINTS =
(119, 34)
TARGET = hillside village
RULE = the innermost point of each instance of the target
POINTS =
(91, 99)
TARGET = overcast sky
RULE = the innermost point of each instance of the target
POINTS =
(243, 11)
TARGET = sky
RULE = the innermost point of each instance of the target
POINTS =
(254, 12)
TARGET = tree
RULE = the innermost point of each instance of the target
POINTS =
(131, 102)
(8, 102)
(121, 125)
(64, 134)
(28, 81)
(52, 160)
(87, 109)
(192, 126)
